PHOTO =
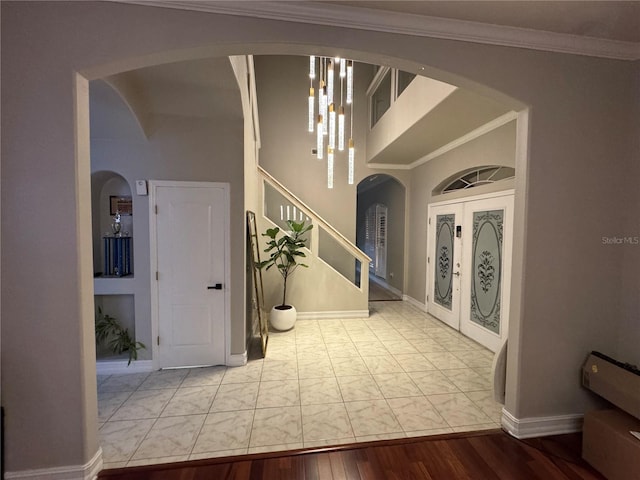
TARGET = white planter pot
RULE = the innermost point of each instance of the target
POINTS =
(283, 318)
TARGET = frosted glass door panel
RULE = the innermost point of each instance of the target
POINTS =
(443, 264)
(487, 269)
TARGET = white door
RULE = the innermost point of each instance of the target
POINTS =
(443, 263)
(487, 252)
(469, 266)
(381, 241)
(191, 240)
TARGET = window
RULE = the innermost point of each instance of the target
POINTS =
(381, 99)
(475, 177)
(403, 81)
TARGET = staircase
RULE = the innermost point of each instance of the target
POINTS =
(332, 286)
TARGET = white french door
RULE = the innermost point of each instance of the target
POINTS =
(484, 234)
(443, 261)
(190, 240)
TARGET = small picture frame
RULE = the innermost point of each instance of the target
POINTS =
(120, 204)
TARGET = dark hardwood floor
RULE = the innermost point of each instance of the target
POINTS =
(484, 455)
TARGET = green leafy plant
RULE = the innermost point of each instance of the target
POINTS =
(110, 332)
(284, 252)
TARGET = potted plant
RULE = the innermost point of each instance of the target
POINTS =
(109, 331)
(284, 253)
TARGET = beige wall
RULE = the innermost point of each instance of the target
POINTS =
(581, 167)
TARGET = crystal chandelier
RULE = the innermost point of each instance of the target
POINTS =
(333, 107)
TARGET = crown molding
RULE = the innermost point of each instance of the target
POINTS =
(409, 24)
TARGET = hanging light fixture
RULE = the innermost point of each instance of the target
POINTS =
(331, 70)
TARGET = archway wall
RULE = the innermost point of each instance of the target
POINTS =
(575, 294)
(392, 194)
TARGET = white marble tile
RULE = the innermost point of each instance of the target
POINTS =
(358, 387)
(380, 436)
(458, 410)
(276, 448)
(399, 346)
(363, 336)
(372, 417)
(478, 427)
(349, 366)
(444, 360)
(334, 335)
(370, 348)
(414, 362)
(285, 353)
(382, 364)
(319, 391)
(484, 400)
(467, 380)
(220, 453)
(324, 422)
(393, 385)
(109, 402)
(275, 426)
(432, 382)
(475, 358)
(428, 345)
(342, 349)
(278, 393)
(235, 396)
(310, 368)
(122, 383)
(251, 372)
(416, 413)
(157, 461)
(485, 372)
(280, 369)
(199, 377)
(225, 431)
(164, 379)
(389, 335)
(309, 340)
(170, 436)
(119, 440)
(190, 401)
(144, 404)
(428, 433)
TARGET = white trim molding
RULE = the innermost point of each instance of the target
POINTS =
(115, 367)
(540, 426)
(237, 359)
(336, 314)
(88, 471)
(411, 24)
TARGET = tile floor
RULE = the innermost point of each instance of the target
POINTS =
(397, 373)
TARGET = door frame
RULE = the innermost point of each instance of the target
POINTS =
(153, 257)
(460, 200)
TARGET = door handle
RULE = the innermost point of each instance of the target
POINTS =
(217, 286)
(457, 274)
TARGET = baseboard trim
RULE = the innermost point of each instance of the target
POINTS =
(336, 314)
(540, 426)
(88, 471)
(384, 284)
(237, 359)
(415, 302)
(115, 367)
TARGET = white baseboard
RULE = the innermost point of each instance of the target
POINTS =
(415, 302)
(328, 315)
(115, 367)
(237, 359)
(541, 426)
(88, 471)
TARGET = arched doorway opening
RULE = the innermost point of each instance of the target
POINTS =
(380, 233)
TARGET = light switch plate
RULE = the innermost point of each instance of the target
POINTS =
(141, 187)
